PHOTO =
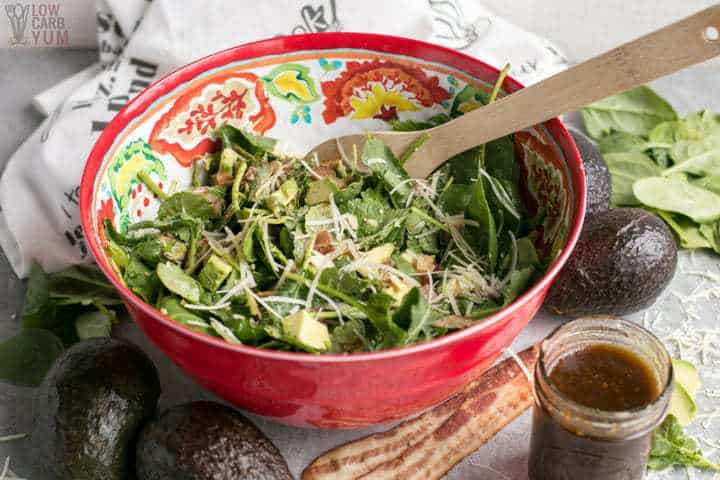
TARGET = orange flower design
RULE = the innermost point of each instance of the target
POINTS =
(380, 89)
(238, 99)
(105, 212)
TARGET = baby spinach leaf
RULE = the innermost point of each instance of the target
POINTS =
(140, 279)
(172, 307)
(414, 125)
(705, 163)
(527, 254)
(37, 296)
(500, 160)
(622, 142)
(378, 309)
(711, 183)
(485, 234)
(455, 199)
(711, 234)
(413, 315)
(465, 167)
(252, 144)
(671, 447)
(26, 357)
(636, 112)
(351, 336)
(179, 282)
(678, 196)
(186, 205)
(688, 232)
(371, 210)
(626, 169)
(517, 284)
(93, 324)
(381, 161)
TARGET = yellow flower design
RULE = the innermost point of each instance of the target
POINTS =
(378, 98)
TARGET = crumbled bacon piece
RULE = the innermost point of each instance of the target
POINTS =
(323, 242)
(425, 263)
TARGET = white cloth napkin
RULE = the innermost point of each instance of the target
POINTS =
(140, 42)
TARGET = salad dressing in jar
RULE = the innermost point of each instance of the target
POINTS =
(602, 385)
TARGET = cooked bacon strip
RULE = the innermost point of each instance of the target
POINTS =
(429, 445)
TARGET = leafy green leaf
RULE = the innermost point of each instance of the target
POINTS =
(252, 144)
(381, 161)
(688, 232)
(186, 205)
(26, 357)
(465, 167)
(636, 112)
(37, 297)
(626, 169)
(485, 234)
(93, 324)
(517, 284)
(671, 446)
(704, 163)
(179, 282)
(710, 232)
(414, 125)
(141, 280)
(413, 315)
(172, 307)
(622, 142)
(455, 198)
(678, 196)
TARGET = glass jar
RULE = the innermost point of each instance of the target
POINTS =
(571, 441)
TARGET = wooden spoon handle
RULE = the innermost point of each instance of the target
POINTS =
(660, 53)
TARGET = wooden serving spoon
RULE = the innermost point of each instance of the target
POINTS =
(672, 48)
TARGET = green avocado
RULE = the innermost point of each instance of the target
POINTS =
(624, 259)
(597, 175)
(206, 440)
(90, 408)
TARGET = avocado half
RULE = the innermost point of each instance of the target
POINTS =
(90, 408)
(624, 259)
(204, 440)
(597, 174)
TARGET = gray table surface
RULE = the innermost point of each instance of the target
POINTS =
(24, 73)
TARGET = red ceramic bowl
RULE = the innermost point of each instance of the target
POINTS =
(304, 89)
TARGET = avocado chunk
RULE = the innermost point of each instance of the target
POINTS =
(204, 440)
(283, 196)
(687, 384)
(687, 375)
(682, 405)
(214, 273)
(319, 191)
(624, 259)
(90, 408)
(597, 175)
(307, 330)
(377, 256)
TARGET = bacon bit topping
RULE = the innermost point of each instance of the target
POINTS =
(323, 242)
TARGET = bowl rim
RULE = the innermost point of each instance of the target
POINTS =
(380, 43)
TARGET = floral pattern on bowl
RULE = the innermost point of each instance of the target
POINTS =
(302, 99)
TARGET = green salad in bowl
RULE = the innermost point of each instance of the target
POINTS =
(338, 257)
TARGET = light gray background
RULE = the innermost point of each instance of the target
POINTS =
(582, 29)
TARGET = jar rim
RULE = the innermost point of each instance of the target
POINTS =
(624, 423)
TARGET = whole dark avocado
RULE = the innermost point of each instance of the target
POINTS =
(206, 440)
(597, 174)
(623, 260)
(90, 408)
